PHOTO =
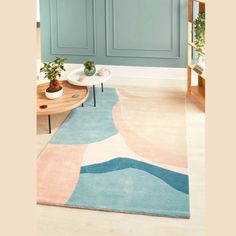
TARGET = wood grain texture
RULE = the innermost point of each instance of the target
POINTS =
(200, 1)
(190, 11)
(64, 103)
(201, 6)
(202, 75)
(201, 82)
(197, 93)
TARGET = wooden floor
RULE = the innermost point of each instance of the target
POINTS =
(64, 221)
(60, 221)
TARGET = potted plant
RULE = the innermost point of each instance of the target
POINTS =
(199, 27)
(52, 71)
(90, 68)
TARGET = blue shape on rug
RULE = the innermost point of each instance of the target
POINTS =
(176, 180)
(95, 121)
(129, 190)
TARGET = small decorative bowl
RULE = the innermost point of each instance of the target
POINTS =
(82, 78)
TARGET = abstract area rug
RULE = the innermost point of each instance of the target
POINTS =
(128, 155)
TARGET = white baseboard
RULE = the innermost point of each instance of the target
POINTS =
(132, 72)
(148, 72)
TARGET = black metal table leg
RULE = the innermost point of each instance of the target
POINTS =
(82, 105)
(94, 96)
(49, 124)
(102, 86)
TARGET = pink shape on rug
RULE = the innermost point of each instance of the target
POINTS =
(58, 170)
(144, 148)
(114, 147)
(126, 94)
(108, 149)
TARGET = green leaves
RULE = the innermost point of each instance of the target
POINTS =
(89, 64)
(53, 69)
(199, 27)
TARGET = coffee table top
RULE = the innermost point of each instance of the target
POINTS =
(73, 96)
(73, 78)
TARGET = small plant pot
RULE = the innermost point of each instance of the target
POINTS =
(54, 95)
(90, 72)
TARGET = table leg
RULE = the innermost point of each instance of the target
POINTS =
(82, 105)
(94, 96)
(102, 86)
(49, 124)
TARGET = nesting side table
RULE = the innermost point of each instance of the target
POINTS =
(73, 78)
(73, 96)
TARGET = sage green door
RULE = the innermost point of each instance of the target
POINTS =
(115, 32)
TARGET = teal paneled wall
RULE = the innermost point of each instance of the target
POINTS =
(115, 32)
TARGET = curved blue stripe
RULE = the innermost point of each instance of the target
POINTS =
(89, 124)
(174, 179)
(129, 190)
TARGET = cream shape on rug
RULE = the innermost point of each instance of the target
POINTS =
(144, 147)
(115, 146)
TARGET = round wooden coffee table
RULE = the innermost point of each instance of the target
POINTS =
(73, 96)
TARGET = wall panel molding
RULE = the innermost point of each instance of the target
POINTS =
(164, 51)
(80, 44)
(151, 33)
